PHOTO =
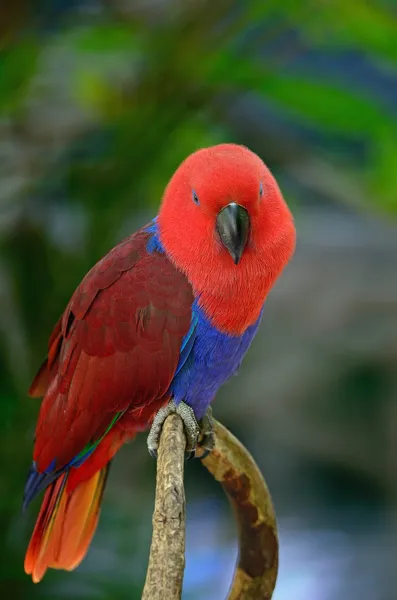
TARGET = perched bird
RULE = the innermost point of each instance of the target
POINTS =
(156, 326)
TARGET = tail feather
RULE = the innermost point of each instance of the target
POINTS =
(37, 482)
(65, 525)
(38, 549)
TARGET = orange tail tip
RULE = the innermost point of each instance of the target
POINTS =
(65, 525)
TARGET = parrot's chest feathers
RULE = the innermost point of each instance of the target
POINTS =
(232, 297)
(213, 358)
(225, 317)
(234, 308)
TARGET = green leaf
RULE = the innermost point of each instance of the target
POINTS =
(106, 38)
(356, 24)
(17, 66)
(325, 104)
(91, 89)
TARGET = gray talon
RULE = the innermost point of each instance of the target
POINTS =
(197, 434)
(153, 453)
(155, 430)
(206, 452)
(207, 437)
(192, 429)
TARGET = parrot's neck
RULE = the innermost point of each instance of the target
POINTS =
(231, 298)
(231, 308)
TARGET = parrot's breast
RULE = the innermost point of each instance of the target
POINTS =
(213, 358)
(208, 356)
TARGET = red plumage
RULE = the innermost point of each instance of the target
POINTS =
(115, 349)
(231, 297)
(65, 525)
(114, 352)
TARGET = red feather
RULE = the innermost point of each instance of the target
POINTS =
(116, 348)
(65, 526)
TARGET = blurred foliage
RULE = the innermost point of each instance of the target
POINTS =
(100, 101)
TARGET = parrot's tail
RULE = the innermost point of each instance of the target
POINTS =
(65, 525)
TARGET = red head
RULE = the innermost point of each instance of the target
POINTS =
(225, 224)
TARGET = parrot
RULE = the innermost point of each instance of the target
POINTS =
(156, 327)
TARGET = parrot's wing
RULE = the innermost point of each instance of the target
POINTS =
(116, 348)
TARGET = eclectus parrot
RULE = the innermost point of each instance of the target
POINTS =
(156, 326)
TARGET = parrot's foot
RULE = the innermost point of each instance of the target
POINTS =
(193, 429)
(207, 437)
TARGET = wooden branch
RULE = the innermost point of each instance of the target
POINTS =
(164, 576)
(232, 465)
(235, 469)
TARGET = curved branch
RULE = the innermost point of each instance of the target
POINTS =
(232, 465)
(235, 469)
(164, 576)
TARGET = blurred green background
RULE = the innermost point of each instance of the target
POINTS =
(99, 102)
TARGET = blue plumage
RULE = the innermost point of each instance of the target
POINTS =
(213, 359)
(37, 482)
(208, 356)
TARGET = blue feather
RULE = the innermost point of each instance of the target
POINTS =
(153, 243)
(208, 357)
(37, 482)
(187, 343)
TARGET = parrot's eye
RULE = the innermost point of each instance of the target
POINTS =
(260, 190)
(195, 197)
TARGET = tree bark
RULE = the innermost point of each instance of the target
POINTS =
(232, 465)
(164, 576)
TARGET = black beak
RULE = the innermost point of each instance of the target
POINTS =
(233, 226)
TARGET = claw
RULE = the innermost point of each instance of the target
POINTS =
(152, 451)
(206, 452)
(192, 429)
(155, 430)
(198, 435)
(207, 437)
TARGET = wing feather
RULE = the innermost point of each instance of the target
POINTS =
(116, 348)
